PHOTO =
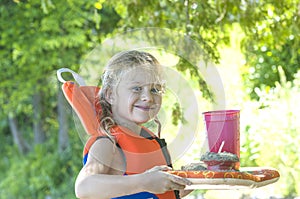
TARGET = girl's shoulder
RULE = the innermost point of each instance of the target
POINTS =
(105, 152)
(103, 143)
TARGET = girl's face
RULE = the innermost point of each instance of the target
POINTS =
(137, 97)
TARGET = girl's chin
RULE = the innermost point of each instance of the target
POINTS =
(143, 118)
(143, 121)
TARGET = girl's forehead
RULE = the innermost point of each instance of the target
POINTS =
(140, 75)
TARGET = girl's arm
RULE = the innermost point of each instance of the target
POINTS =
(102, 176)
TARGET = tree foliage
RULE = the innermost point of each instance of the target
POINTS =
(36, 38)
(42, 173)
(41, 39)
(44, 36)
(271, 44)
(273, 139)
(271, 30)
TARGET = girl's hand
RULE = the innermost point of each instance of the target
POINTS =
(157, 180)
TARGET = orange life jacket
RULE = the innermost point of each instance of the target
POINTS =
(141, 152)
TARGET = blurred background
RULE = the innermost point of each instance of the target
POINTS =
(254, 45)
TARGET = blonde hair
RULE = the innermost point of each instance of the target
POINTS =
(115, 68)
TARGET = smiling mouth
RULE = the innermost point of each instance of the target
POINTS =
(144, 108)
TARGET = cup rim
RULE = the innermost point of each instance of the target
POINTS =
(221, 112)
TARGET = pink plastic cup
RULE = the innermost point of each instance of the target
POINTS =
(223, 130)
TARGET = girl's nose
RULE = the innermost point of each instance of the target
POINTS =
(146, 96)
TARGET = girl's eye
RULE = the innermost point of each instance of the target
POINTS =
(156, 90)
(137, 89)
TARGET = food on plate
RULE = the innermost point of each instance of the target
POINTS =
(220, 161)
(200, 166)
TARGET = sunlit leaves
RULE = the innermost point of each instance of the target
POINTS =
(39, 175)
(272, 42)
(37, 43)
(274, 138)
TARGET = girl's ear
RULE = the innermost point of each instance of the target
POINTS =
(109, 96)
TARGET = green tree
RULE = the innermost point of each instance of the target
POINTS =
(271, 30)
(44, 36)
(274, 138)
(37, 38)
(272, 43)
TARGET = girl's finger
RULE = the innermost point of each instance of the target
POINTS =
(165, 168)
(177, 187)
(160, 168)
(179, 180)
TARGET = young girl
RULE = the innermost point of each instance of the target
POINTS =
(129, 161)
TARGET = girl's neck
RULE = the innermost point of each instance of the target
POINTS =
(135, 128)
